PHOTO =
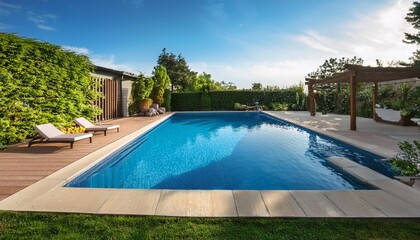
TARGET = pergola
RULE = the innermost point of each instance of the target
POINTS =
(355, 74)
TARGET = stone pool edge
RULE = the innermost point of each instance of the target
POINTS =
(392, 199)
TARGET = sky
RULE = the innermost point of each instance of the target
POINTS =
(273, 42)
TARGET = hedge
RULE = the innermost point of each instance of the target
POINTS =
(225, 100)
(41, 83)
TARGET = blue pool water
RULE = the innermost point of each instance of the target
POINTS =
(249, 150)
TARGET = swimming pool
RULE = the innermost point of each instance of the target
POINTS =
(231, 151)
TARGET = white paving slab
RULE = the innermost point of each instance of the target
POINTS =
(131, 201)
(173, 203)
(352, 205)
(399, 190)
(388, 204)
(250, 204)
(83, 200)
(281, 204)
(315, 204)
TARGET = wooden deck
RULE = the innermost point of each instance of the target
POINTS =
(22, 166)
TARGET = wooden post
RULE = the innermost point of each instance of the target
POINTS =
(311, 99)
(374, 99)
(353, 109)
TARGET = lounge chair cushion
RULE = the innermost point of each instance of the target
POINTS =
(51, 133)
(102, 127)
(71, 137)
(48, 130)
(91, 127)
(81, 121)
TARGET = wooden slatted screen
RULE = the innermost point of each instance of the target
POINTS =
(109, 100)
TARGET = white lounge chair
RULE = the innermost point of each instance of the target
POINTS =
(50, 134)
(95, 128)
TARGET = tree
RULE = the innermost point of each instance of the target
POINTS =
(257, 87)
(140, 92)
(413, 17)
(333, 95)
(272, 88)
(392, 63)
(230, 86)
(333, 66)
(177, 69)
(161, 82)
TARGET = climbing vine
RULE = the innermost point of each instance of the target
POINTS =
(40, 83)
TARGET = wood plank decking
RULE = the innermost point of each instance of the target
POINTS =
(22, 166)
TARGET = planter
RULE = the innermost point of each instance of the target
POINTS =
(408, 180)
(145, 104)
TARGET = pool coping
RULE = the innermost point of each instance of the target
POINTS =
(392, 199)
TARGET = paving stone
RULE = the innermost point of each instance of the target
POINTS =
(250, 204)
(130, 201)
(281, 204)
(388, 204)
(352, 205)
(173, 203)
(315, 204)
(75, 200)
(400, 190)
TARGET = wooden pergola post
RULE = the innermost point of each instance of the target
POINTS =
(357, 73)
(353, 109)
(311, 98)
(374, 99)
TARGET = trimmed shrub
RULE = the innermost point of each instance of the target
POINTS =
(167, 100)
(186, 101)
(41, 83)
(225, 100)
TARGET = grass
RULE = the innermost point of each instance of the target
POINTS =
(20, 225)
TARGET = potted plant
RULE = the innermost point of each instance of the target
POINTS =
(407, 162)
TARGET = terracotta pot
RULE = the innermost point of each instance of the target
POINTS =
(145, 104)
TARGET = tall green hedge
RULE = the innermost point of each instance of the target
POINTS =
(225, 100)
(41, 83)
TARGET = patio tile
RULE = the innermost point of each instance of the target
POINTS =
(342, 162)
(25, 196)
(315, 204)
(388, 204)
(199, 204)
(173, 203)
(130, 201)
(352, 205)
(223, 204)
(76, 200)
(400, 190)
(250, 204)
(281, 204)
(365, 174)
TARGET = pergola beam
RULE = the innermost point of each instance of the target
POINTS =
(355, 74)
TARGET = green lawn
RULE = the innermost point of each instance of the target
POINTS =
(82, 226)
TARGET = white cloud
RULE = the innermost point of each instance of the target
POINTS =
(7, 8)
(280, 73)
(109, 62)
(316, 41)
(42, 21)
(4, 26)
(79, 50)
(371, 36)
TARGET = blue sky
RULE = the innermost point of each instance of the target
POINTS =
(274, 42)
